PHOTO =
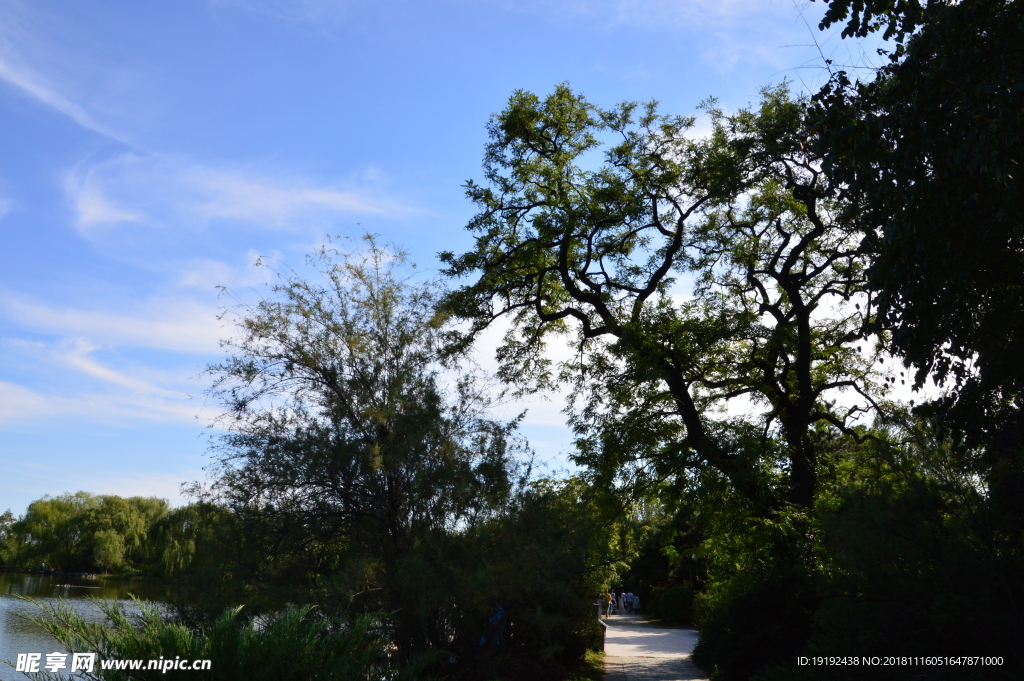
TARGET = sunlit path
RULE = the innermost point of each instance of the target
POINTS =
(637, 651)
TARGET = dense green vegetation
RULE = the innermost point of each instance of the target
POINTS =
(82, 533)
(736, 305)
(541, 559)
(360, 472)
(727, 299)
(929, 151)
(297, 643)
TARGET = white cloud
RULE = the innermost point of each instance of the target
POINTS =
(114, 361)
(72, 382)
(206, 275)
(19, 403)
(36, 479)
(543, 410)
(728, 50)
(34, 85)
(227, 195)
(163, 192)
(606, 12)
(41, 68)
(730, 33)
(177, 324)
(78, 377)
(78, 357)
(701, 15)
(143, 484)
(92, 207)
(315, 11)
(764, 26)
(6, 205)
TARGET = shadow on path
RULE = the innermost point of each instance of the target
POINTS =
(637, 651)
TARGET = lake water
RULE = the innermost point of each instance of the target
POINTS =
(20, 636)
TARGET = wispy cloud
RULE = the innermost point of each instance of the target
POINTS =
(655, 13)
(262, 200)
(79, 356)
(647, 13)
(17, 73)
(145, 484)
(172, 323)
(289, 10)
(30, 479)
(78, 379)
(92, 207)
(159, 191)
(206, 274)
(115, 360)
(32, 63)
(19, 403)
(727, 51)
(730, 33)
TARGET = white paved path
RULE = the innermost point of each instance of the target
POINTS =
(637, 651)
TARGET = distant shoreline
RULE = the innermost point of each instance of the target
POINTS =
(81, 575)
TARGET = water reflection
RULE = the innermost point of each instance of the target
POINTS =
(17, 635)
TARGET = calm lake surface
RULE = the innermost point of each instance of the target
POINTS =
(20, 636)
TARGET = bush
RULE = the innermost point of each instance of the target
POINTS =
(674, 605)
(538, 564)
(753, 620)
(912, 574)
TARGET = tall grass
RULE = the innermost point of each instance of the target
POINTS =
(297, 644)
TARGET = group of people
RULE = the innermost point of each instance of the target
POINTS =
(622, 603)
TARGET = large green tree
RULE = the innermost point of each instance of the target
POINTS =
(353, 449)
(82, 531)
(693, 277)
(929, 152)
(8, 538)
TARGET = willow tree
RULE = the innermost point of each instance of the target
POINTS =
(353, 446)
(712, 295)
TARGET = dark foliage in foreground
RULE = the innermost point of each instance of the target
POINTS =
(362, 470)
(906, 555)
(297, 644)
(930, 151)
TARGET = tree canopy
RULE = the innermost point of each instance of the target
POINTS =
(929, 153)
(862, 17)
(350, 442)
(603, 250)
(82, 532)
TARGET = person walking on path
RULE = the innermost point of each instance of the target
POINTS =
(609, 599)
(629, 602)
(622, 602)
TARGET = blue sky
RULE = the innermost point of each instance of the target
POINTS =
(150, 152)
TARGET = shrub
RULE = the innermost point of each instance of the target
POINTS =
(752, 620)
(674, 605)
